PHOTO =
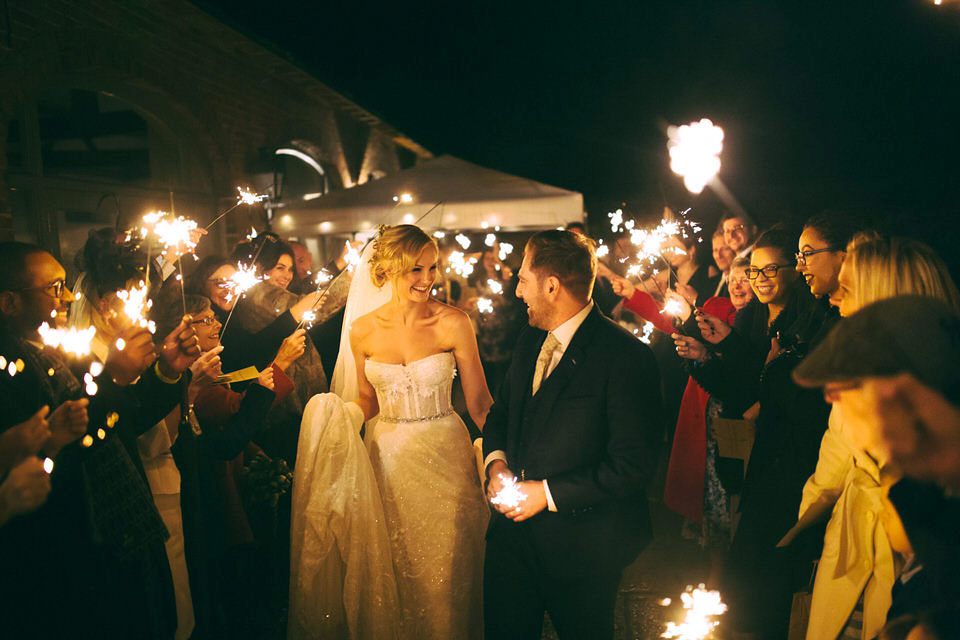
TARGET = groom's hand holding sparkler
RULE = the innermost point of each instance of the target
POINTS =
(516, 500)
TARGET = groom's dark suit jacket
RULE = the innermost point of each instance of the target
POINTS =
(592, 430)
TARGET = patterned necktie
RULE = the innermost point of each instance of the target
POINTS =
(550, 345)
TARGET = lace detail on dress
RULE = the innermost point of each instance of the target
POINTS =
(414, 391)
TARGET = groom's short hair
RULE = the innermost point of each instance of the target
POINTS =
(571, 257)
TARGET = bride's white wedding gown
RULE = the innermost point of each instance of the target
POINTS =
(418, 478)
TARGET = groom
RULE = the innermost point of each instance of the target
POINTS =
(577, 421)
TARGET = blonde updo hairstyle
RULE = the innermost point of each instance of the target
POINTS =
(884, 268)
(395, 252)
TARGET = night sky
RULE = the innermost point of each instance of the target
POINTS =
(849, 106)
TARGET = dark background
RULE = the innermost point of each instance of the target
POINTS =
(849, 106)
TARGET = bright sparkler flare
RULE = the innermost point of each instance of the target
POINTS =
(695, 152)
(494, 286)
(672, 307)
(241, 280)
(48, 465)
(616, 219)
(462, 265)
(484, 305)
(644, 337)
(248, 197)
(352, 256)
(603, 250)
(510, 495)
(463, 241)
(323, 277)
(490, 239)
(702, 606)
(505, 249)
(73, 341)
(309, 317)
(176, 232)
(135, 306)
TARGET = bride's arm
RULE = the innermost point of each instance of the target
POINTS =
(471, 370)
(368, 395)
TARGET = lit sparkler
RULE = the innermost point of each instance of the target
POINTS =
(48, 465)
(505, 249)
(72, 341)
(460, 264)
(702, 607)
(484, 305)
(352, 256)
(495, 286)
(323, 277)
(135, 306)
(672, 307)
(463, 241)
(490, 239)
(695, 152)
(309, 317)
(241, 280)
(645, 334)
(510, 494)
(248, 197)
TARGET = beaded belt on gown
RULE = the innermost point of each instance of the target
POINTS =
(442, 414)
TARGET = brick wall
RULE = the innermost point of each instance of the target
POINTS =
(223, 96)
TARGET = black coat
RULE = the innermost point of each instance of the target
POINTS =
(592, 431)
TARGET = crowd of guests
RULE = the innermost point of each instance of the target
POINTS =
(828, 350)
(818, 500)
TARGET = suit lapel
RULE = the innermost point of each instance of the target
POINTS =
(558, 381)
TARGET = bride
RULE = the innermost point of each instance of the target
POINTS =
(420, 575)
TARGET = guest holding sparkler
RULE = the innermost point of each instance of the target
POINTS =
(100, 531)
(219, 540)
(850, 468)
(261, 306)
(699, 482)
(752, 366)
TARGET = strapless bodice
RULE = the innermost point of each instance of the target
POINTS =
(416, 391)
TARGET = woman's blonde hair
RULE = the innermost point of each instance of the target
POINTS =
(395, 251)
(884, 268)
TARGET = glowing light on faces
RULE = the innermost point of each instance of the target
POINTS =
(463, 241)
(484, 305)
(72, 341)
(702, 607)
(510, 495)
(695, 152)
(248, 197)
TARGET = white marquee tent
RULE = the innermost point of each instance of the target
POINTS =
(441, 193)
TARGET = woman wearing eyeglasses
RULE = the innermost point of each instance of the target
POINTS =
(748, 369)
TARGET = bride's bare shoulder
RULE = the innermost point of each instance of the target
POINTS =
(448, 314)
(363, 326)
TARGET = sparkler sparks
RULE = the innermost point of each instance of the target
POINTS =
(309, 317)
(495, 286)
(135, 306)
(241, 280)
(248, 197)
(490, 239)
(672, 307)
(48, 465)
(510, 495)
(702, 607)
(463, 241)
(460, 264)
(352, 256)
(505, 249)
(484, 305)
(72, 341)
(645, 335)
(695, 152)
